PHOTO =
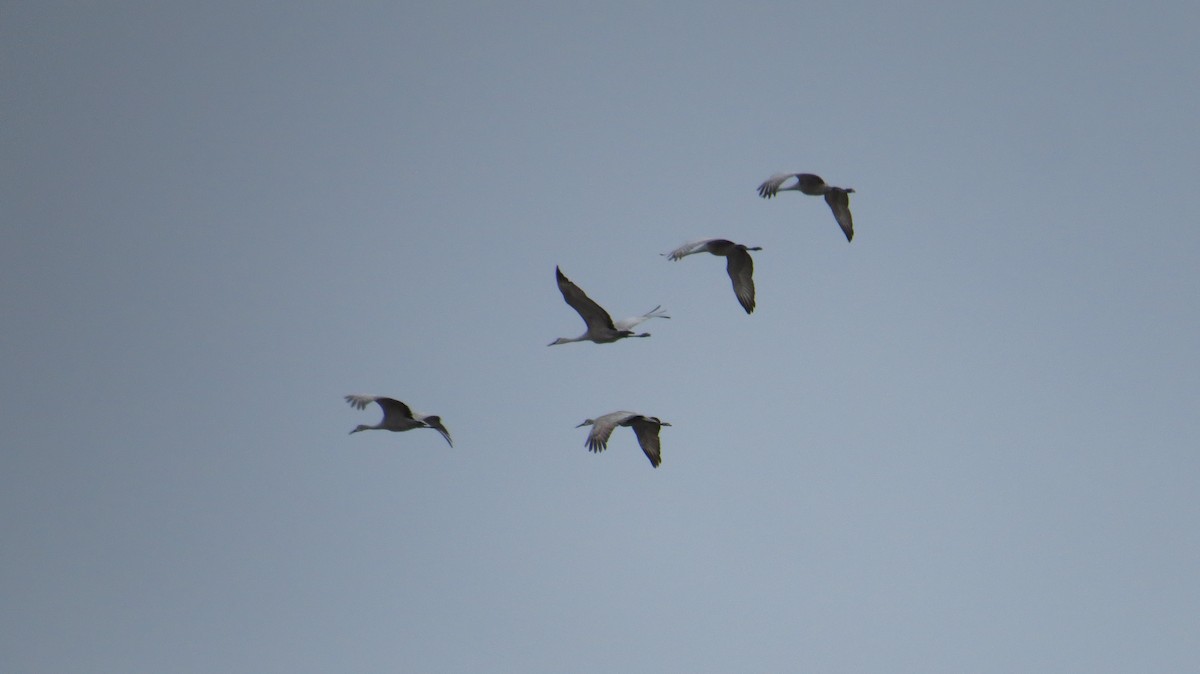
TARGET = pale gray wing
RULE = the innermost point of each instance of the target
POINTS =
(839, 202)
(689, 248)
(633, 321)
(602, 428)
(741, 271)
(359, 402)
(770, 186)
(391, 406)
(647, 435)
(592, 314)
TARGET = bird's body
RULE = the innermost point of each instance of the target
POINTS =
(838, 198)
(646, 428)
(600, 326)
(396, 416)
(738, 264)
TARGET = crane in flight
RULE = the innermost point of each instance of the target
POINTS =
(838, 198)
(600, 326)
(396, 416)
(738, 264)
(646, 428)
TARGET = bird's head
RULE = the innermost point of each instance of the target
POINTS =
(586, 422)
(560, 340)
(360, 427)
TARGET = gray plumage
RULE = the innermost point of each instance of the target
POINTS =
(646, 428)
(838, 198)
(738, 264)
(600, 326)
(396, 416)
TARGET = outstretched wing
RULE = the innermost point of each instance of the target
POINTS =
(647, 435)
(435, 422)
(395, 413)
(391, 406)
(592, 314)
(741, 272)
(359, 402)
(633, 321)
(602, 428)
(689, 248)
(770, 186)
(839, 202)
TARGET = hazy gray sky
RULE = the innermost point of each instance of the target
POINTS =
(965, 442)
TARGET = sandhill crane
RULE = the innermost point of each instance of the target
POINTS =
(645, 427)
(600, 326)
(396, 416)
(838, 198)
(737, 263)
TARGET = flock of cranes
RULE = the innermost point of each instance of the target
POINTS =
(602, 329)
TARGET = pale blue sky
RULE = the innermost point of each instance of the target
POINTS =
(965, 442)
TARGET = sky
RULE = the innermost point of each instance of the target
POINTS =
(964, 442)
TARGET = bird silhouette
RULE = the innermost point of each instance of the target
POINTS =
(738, 264)
(600, 326)
(396, 416)
(646, 429)
(838, 198)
